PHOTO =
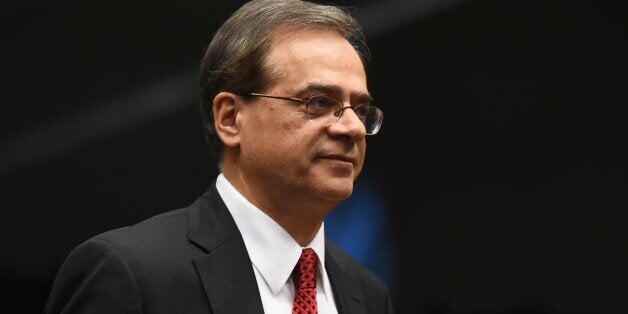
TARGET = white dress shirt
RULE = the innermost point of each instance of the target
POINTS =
(274, 254)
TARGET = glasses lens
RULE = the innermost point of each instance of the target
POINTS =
(372, 118)
(322, 105)
(332, 109)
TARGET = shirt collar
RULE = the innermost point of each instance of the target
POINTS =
(272, 250)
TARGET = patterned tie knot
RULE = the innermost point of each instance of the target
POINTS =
(304, 275)
(305, 271)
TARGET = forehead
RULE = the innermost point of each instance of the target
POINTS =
(315, 56)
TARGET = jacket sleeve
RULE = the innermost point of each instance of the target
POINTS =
(94, 278)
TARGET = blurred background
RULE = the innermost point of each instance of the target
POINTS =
(498, 183)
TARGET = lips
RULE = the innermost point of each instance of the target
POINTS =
(339, 158)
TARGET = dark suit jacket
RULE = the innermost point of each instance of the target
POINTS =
(190, 260)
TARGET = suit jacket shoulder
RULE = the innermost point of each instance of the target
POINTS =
(190, 260)
(130, 270)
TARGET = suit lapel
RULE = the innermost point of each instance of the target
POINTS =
(346, 289)
(225, 271)
(228, 279)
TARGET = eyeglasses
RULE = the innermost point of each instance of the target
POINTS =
(325, 107)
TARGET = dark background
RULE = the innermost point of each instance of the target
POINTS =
(502, 158)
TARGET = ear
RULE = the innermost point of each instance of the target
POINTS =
(225, 109)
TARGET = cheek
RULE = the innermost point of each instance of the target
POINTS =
(286, 126)
(277, 134)
(279, 119)
(280, 137)
(361, 152)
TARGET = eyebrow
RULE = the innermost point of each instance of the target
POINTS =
(332, 90)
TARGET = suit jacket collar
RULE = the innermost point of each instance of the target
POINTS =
(347, 290)
(225, 271)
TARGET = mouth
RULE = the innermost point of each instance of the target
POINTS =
(339, 158)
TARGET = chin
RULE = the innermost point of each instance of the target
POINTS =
(337, 191)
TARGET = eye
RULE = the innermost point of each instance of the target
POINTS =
(322, 101)
(322, 104)
(361, 110)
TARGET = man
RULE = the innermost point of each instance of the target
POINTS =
(286, 104)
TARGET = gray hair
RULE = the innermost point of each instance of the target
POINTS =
(235, 59)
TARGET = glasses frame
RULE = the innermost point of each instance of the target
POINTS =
(338, 113)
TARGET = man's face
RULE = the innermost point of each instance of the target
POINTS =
(299, 158)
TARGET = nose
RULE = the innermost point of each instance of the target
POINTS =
(348, 124)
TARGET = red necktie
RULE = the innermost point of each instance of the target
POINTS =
(304, 276)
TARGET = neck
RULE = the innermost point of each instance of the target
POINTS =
(300, 217)
(302, 228)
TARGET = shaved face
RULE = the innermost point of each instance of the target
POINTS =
(282, 150)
